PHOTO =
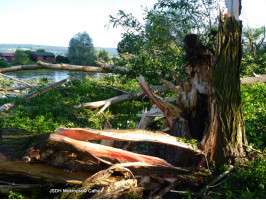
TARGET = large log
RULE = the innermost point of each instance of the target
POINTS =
(43, 65)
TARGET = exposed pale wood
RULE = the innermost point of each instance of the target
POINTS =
(170, 111)
(261, 78)
(109, 152)
(137, 135)
(6, 107)
(111, 67)
(233, 7)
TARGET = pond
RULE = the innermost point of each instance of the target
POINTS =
(52, 75)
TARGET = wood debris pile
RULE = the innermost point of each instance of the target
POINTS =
(82, 169)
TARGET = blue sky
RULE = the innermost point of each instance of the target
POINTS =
(55, 22)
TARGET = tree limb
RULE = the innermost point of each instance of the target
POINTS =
(126, 97)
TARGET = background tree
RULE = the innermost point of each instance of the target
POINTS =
(254, 51)
(61, 59)
(21, 57)
(81, 50)
(40, 50)
(129, 44)
(103, 54)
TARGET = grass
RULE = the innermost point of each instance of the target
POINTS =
(254, 111)
(46, 113)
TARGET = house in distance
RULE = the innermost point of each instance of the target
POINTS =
(47, 57)
(8, 57)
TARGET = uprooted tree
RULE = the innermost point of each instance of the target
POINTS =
(208, 109)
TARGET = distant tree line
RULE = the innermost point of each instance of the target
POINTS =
(80, 52)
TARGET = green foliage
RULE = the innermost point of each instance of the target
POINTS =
(56, 108)
(254, 51)
(40, 50)
(254, 109)
(154, 49)
(129, 44)
(15, 195)
(103, 54)
(21, 58)
(61, 59)
(4, 64)
(81, 50)
(245, 182)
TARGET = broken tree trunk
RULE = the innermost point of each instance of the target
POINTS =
(208, 107)
(226, 72)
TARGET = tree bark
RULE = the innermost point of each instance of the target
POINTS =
(226, 79)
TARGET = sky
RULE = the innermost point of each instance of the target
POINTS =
(55, 22)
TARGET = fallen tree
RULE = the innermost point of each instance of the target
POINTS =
(43, 65)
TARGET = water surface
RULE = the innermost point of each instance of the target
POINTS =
(53, 75)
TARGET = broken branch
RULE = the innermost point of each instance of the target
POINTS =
(136, 135)
(126, 97)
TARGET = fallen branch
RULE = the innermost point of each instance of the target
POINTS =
(45, 89)
(136, 135)
(8, 106)
(258, 79)
(15, 79)
(111, 67)
(126, 97)
(170, 111)
(203, 192)
(19, 88)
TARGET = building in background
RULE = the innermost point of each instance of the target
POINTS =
(8, 57)
(47, 57)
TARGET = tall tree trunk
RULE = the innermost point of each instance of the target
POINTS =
(226, 79)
